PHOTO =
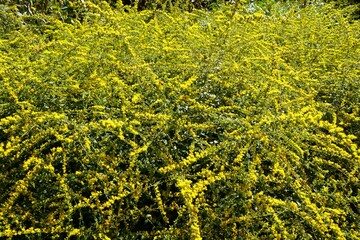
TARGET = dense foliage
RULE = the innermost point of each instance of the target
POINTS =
(179, 125)
(68, 10)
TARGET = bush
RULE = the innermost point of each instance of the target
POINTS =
(69, 10)
(181, 126)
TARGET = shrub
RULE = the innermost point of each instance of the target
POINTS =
(181, 126)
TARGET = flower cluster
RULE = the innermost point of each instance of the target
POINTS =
(180, 125)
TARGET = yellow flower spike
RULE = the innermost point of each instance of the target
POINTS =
(186, 191)
(74, 232)
(188, 83)
(160, 203)
(139, 150)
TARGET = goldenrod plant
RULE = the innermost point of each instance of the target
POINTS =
(219, 124)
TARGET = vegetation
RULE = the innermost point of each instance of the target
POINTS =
(219, 124)
(68, 10)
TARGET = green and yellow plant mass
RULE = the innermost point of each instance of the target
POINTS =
(180, 123)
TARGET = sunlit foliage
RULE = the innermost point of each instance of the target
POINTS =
(178, 125)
